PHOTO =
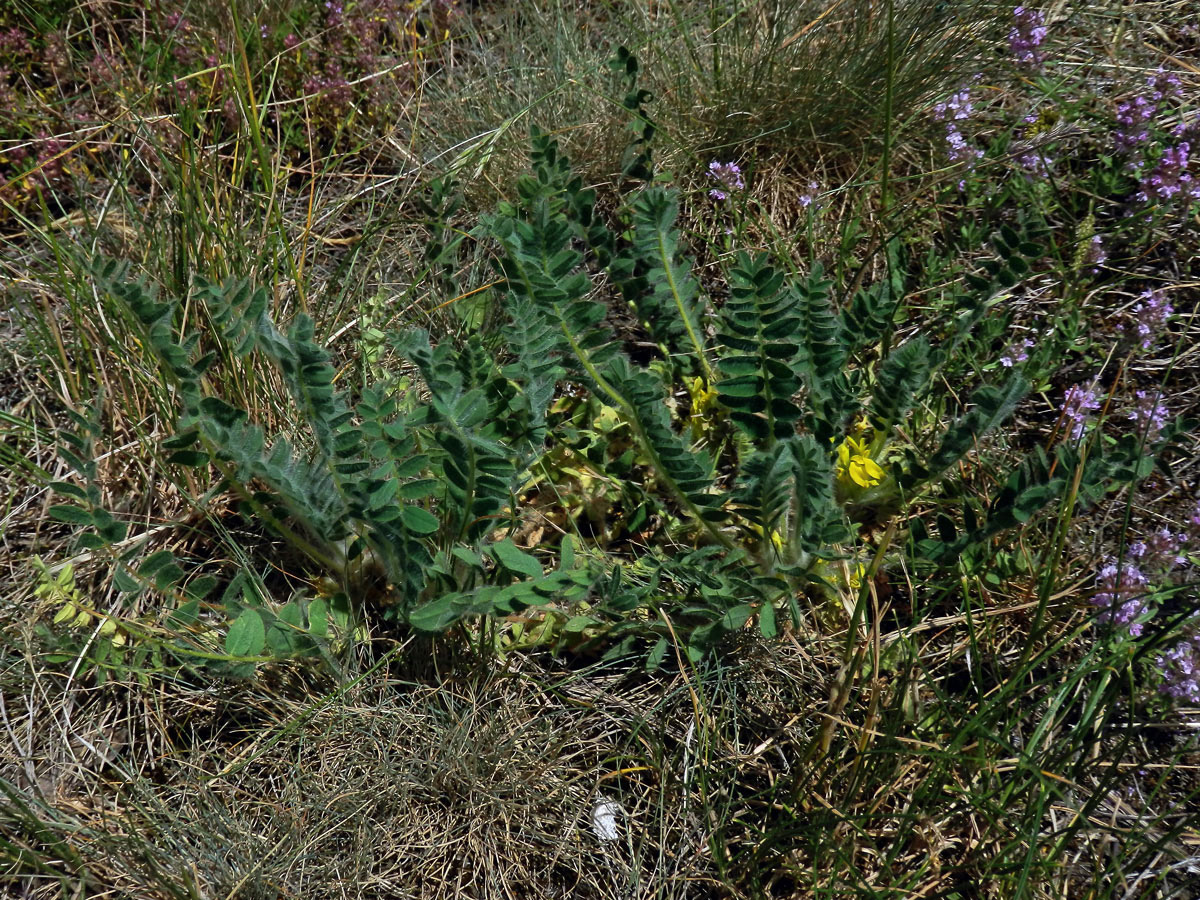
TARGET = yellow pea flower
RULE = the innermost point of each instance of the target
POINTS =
(856, 576)
(855, 465)
(703, 401)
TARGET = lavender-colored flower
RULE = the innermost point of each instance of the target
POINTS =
(1171, 176)
(1027, 34)
(1187, 128)
(1095, 255)
(1180, 670)
(1151, 316)
(809, 198)
(959, 106)
(1036, 165)
(334, 87)
(1164, 85)
(956, 109)
(1125, 591)
(1136, 115)
(290, 41)
(1149, 414)
(1121, 594)
(959, 150)
(1077, 404)
(1164, 548)
(1016, 353)
(728, 176)
(1133, 120)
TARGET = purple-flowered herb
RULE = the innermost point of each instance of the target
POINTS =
(1121, 592)
(1149, 414)
(1077, 405)
(1150, 317)
(728, 177)
(1027, 34)
(1170, 177)
(1016, 353)
(811, 197)
(1180, 670)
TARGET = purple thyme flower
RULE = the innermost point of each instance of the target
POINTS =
(1133, 120)
(1180, 669)
(14, 42)
(958, 148)
(1171, 176)
(1151, 316)
(1125, 591)
(1096, 255)
(1164, 85)
(728, 176)
(1027, 34)
(1164, 548)
(1016, 353)
(811, 196)
(1036, 165)
(1136, 115)
(1121, 592)
(957, 107)
(1149, 414)
(1077, 404)
(1187, 129)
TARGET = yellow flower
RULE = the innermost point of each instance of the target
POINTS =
(856, 576)
(855, 465)
(703, 401)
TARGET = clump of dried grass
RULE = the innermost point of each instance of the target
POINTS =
(467, 788)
